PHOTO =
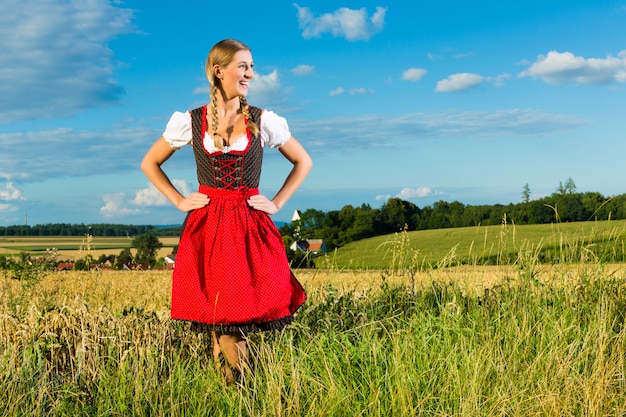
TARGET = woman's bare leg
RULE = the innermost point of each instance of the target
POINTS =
(235, 349)
(223, 369)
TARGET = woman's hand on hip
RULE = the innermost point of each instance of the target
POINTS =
(262, 203)
(192, 202)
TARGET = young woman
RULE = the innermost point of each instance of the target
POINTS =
(231, 275)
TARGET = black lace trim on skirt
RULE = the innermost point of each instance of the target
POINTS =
(242, 328)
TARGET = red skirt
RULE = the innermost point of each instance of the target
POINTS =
(232, 272)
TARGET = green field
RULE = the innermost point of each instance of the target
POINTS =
(69, 247)
(490, 245)
(424, 329)
(102, 344)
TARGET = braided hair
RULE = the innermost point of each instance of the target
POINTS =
(222, 54)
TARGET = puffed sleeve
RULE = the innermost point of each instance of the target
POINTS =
(274, 129)
(178, 130)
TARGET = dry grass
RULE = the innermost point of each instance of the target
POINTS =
(151, 290)
(470, 278)
(101, 343)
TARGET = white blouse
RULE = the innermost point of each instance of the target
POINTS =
(274, 133)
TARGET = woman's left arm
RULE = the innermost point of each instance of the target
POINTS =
(302, 164)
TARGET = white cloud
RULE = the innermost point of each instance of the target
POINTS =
(337, 91)
(354, 25)
(118, 204)
(414, 74)
(419, 192)
(353, 91)
(150, 196)
(263, 85)
(361, 90)
(498, 81)
(411, 193)
(565, 67)
(55, 57)
(11, 193)
(115, 206)
(68, 152)
(463, 55)
(363, 133)
(7, 215)
(302, 70)
(459, 82)
(433, 57)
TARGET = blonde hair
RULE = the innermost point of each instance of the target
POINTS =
(222, 54)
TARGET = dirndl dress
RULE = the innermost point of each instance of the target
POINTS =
(232, 272)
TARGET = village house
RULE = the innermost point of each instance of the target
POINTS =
(314, 246)
(170, 261)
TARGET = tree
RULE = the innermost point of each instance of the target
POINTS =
(593, 204)
(570, 186)
(526, 193)
(397, 214)
(366, 224)
(476, 215)
(568, 208)
(147, 246)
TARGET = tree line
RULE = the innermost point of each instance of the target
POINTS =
(26, 267)
(349, 224)
(339, 227)
(66, 229)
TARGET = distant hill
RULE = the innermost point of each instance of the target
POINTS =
(523, 245)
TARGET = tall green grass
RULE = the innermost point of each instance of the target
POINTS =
(520, 348)
(537, 341)
(593, 241)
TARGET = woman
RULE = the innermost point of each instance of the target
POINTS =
(232, 275)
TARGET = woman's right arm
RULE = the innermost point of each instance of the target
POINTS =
(151, 167)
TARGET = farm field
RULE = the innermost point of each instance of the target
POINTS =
(73, 247)
(494, 245)
(463, 341)
(491, 245)
(515, 336)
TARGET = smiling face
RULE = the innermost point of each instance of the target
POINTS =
(234, 78)
(229, 68)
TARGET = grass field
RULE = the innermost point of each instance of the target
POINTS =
(518, 337)
(462, 341)
(494, 245)
(603, 241)
(73, 247)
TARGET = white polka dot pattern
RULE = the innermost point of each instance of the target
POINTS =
(231, 267)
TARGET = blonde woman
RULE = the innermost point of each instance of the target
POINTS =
(231, 275)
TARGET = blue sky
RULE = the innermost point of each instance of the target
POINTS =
(451, 100)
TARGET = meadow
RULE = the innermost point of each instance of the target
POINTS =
(71, 248)
(516, 337)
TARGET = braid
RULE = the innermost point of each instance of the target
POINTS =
(221, 55)
(254, 129)
(219, 143)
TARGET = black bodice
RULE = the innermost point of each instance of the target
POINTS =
(230, 170)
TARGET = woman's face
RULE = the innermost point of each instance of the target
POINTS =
(235, 77)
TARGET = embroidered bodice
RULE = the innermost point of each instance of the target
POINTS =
(229, 169)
